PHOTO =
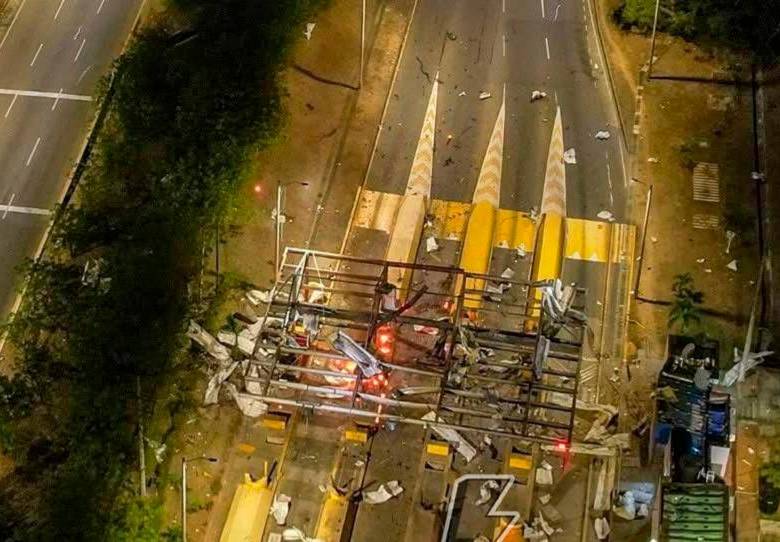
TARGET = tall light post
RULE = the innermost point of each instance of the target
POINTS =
(184, 461)
(652, 40)
(362, 41)
(280, 220)
(648, 203)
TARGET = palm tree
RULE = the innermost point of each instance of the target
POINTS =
(685, 307)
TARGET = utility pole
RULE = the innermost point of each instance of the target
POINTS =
(652, 40)
(362, 41)
(141, 448)
(643, 240)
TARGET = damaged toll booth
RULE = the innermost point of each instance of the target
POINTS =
(692, 425)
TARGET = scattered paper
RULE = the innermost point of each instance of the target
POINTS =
(700, 260)
(654, 239)
(570, 156)
(538, 95)
(732, 265)
(521, 251)
(294, 534)
(259, 296)
(653, 160)
(605, 215)
(309, 30)
(544, 498)
(544, 477)
(431, 245)
(384, 493)
(462, 93)
(226, 337)
(484, 95)
(508, 273)
(280, 508)
(602, 135)
(601, 526)
(486, 492)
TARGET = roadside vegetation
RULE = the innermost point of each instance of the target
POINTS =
(195, 97)
(749, 24)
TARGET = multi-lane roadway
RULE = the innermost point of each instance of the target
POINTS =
(52, 55)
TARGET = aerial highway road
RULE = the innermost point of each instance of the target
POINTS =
(52, 55)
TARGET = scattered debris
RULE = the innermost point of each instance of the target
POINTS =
(462, 93)
(538, 95)
(601, 526)
(708, 270)
(428, 330)
(521, 253)
(481, 538)
(508, 273)
(700, 260)
(294, 534)
(431, 245)
(384, 493)
(544, 498)
(309, 30)
(653, 160)
(732, 265)
(367, 363)
(211, 397)
(484, 95)
(280, 508)
(730, 235)
(449, 138)
(226, 337)
(654, 239)
(544, 476)
(451, 36)
(461, 445)
(249, 405)
(259, 296)
(570, 157)
(606, 215)
(206, 341)
(486, 492)
(602, 135)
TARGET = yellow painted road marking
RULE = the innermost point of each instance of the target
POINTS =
(587, 240)
(377, 210)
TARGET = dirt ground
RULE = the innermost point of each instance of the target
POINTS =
(322, 152)
(680, 119)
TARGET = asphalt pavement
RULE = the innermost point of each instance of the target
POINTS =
(52, 55)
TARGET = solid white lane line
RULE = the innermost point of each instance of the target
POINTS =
(84, 73)
(35, 57)
(13, 22)
(81, 47)
(56, 100)
(503, 44)
(62, 3)
(557, 8)
(101, 5)
(23, 210)
(609, 181)
(77, 34)
(542, 4)
(547, 47)
(40, 94)
(7, 207)
(503, 6)
(8, 111)
(32, 152)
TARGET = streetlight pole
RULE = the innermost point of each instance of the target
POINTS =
(184, 462)
(652, 40)
(648, 203)
(362, 41)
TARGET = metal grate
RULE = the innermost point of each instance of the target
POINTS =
(706, 222)
(706, 182)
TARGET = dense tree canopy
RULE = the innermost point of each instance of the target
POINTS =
(194, 97)
(752, 24)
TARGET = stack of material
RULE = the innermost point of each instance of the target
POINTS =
(695, 512)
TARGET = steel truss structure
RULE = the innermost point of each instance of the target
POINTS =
(493, 369)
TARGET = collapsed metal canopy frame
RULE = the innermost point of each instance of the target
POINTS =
(463, 359)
